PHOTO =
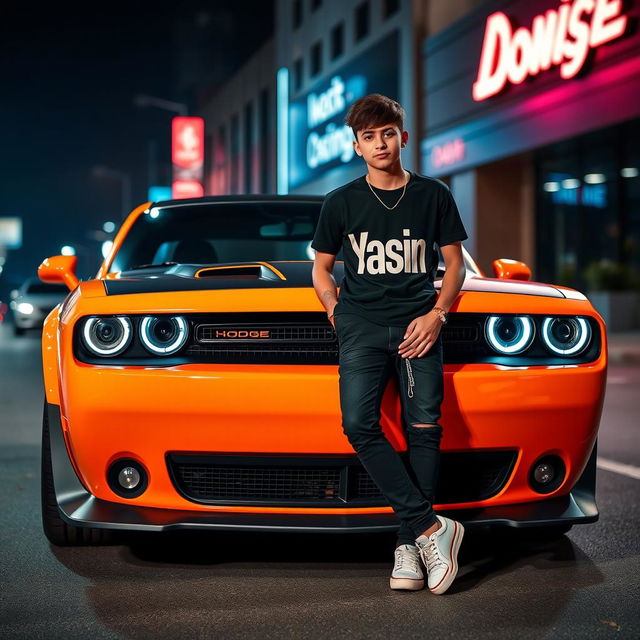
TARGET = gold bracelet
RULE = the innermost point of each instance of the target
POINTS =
(442, 314)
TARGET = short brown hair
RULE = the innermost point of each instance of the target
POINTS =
(374, 110)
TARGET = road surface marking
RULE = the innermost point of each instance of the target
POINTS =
(618, 467)
(617, 380)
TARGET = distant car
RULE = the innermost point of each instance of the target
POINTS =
(4, 307)
(194, 384)
(33, 301)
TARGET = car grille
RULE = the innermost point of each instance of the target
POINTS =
(293, 338)
(329, 481)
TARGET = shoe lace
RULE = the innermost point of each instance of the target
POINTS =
(405, 556)
(433, 554)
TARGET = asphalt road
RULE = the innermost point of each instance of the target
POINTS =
(197, 585)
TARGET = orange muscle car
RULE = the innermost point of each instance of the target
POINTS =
(193, 383)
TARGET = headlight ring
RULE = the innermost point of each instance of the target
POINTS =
(509, 335)
(107, 335)
(163, 335)
(566, 336)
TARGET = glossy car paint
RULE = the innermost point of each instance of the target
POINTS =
(108, 412)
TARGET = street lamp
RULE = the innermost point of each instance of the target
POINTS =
(143, 100)
(125, 184)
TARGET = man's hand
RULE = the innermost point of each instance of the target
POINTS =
(423, 331)
(420, 335)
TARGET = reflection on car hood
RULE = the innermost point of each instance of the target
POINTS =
(278, 275)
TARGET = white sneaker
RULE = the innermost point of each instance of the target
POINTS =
(407, 572)
(439, 552)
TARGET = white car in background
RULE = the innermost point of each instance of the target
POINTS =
(33, 301)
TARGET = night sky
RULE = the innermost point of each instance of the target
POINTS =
(69, 76)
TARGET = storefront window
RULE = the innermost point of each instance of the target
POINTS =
(588, 207)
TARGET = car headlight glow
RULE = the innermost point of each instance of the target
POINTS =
(25, 307)
(509, 334)
(107, 336)
(163, 335)
(566, 336)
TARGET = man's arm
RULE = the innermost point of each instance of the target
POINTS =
(423, 331)
(453, 275)
(324, 283)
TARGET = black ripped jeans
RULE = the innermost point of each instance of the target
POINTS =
(368, 355)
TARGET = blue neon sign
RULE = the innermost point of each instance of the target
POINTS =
(318, 138)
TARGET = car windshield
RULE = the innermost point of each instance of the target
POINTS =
(220, 232)
(206, 233)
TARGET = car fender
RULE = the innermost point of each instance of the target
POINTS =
(50, 357)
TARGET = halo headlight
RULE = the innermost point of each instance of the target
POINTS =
(566, 336)
(163, 335)
(107, 336)
(509, 334)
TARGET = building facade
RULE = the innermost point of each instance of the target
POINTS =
(528, 109)
(531, 113)
(240, 134)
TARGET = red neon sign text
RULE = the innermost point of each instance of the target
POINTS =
(561, 36)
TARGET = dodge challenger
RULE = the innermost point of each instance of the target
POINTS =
(193, 383)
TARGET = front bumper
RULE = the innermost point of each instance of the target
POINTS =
(79, 508)
(143, 413)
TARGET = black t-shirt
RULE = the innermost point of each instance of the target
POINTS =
(389, 255)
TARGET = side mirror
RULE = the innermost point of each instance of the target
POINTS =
(59, 269)
(511, 269)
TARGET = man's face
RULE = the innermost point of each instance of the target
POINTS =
(380, 146)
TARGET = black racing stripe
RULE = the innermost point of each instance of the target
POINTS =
(297, 274)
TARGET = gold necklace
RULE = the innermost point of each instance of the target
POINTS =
(377, 196)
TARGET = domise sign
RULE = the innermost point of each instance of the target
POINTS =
(562, 36)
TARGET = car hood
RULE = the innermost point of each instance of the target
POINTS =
(278, 275)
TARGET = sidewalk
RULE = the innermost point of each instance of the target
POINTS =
(624, 348)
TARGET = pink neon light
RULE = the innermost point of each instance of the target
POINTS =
(561, 36)
(448, 153)
(186, 189)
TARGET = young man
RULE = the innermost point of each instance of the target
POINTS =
(387, 319)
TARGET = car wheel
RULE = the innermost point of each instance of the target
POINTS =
(55, 528)
(18, 331)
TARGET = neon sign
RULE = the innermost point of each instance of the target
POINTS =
(335, 142)
(326, 105)
(187, 155)
(187, 142)
(186, 189)
(313, 139)
(562, 36)
(449, 153)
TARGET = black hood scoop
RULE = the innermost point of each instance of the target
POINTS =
(202, 277)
